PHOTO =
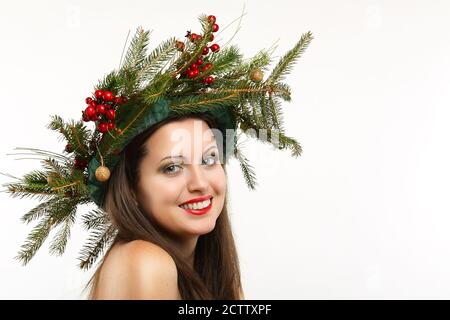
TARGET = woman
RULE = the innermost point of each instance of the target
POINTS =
(160, 246)
(163, 250)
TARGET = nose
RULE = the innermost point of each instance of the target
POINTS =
(196, 180)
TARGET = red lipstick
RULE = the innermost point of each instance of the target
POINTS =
(198, 212)
(199, 199)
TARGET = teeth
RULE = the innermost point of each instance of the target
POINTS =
(196, 205)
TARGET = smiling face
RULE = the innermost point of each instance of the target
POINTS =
(182, 163)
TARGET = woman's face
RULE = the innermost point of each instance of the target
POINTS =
(182, 163)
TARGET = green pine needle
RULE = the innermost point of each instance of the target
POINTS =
(286, 63)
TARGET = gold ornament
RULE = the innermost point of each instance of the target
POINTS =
(256, 75)
(102, 173)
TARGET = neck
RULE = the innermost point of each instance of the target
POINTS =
(186, 247)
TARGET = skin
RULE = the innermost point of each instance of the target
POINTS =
(164, 185)
(142, 270)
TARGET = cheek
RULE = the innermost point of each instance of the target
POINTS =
(218, 181)
(156, 194)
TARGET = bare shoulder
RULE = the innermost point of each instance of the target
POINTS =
(138, 270)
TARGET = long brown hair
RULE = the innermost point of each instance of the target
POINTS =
(215, 273)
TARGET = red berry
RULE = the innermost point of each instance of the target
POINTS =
(199, 61)
(211, 19)
(215, 47)
(215, 27)
(211, 38)
(194, 66)
(88, 100)
(205, 51)
(207, 66)
(196, 72)
(102, 127)
(209, 80)
(108, 96)
(90, 111)
(101, 109)
(111, 125)
(85, 117)
(191, 73)
(98, 94)
(110, 114)
(94, 118)
(194, 36)
(117, 100)
(123, 99)
(78, 164)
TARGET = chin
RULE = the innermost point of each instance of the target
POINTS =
(202, 228)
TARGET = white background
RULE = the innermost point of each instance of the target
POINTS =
(363, 213)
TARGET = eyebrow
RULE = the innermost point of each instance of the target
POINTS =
(176, 157)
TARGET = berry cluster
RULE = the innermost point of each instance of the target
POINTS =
(200, 66)
(80, 164)
(102, 109)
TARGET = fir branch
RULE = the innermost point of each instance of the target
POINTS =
(53, 214)
(157, 59)
(264, 114)
(225, 60)
(35, 240)
(291, 143)
(261, 60)
(42, 209)
(286, 63)
(94, 219)
(58, 124)
(245, 87)
(38, 192)
(42, 153)
(246, 168)
(97, 242)
(75, 133)
(33, 185)
(79, 138)
(276, 114)
(113, 81)
(195, 103)
(134, 112)
(136, 53)
(35, 177)
(53, 167)
(198, 48)
(59, 241)
(275, 138)
(282, 90)
(153, 92)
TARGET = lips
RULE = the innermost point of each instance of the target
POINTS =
(199, 199)
(198, 212)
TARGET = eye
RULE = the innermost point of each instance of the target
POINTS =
(211, 159)
(171, 169)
